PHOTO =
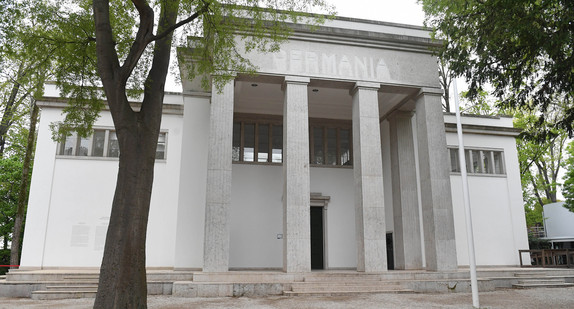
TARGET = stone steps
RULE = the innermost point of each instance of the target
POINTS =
(345, 284)
(52, 295)
(540, 280)
(542, 285)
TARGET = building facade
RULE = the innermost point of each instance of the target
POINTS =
(336, 155)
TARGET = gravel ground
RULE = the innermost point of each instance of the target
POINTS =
(519, 299)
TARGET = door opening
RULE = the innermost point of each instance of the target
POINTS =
(390, 253)
(317, 238)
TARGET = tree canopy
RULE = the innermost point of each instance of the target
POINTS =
(568, 187)
(108, 51)
(521, 48)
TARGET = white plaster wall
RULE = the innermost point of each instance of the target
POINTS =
(192, 177)
(257, 210)
(340, 240)
(256, 216)
(73, 194)
(558, 221)
(499, 224)
(40, 192)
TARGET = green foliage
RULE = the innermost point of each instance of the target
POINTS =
(540, 160)
(4, 260)
(536, 243)
(568, 186)
(533, 213)
(522, 48)
(223, 32)
(10, 179)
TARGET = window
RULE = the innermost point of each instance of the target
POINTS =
(102, 143)
(259, 139)
(478, 161)
(257, 142)
(330, 145)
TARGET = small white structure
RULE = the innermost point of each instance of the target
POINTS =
(559, 225)
(336, 156)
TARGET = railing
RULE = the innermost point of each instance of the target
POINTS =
(549, 258)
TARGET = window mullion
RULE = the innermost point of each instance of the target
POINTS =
(338, 147)
(311, 144)
(242, 142)
(325, 145)
(269, 142)
(106, 141)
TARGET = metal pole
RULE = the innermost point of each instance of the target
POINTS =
(466, 197)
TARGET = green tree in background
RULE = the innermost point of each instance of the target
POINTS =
(523, 49)
(114, 50)
(568, 187)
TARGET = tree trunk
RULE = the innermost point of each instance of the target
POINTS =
(122, 282)
(8, 115)
(23, 194)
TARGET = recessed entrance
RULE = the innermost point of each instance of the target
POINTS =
(390, 252)
(317, 239)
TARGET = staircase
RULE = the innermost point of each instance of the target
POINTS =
(344, 284)
(539, 280)
(66, 284)
(70, 286)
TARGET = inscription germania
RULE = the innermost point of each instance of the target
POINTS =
(330, 64)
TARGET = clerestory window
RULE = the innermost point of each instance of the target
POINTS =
(259, 139)
(478, 161)
(102, 143)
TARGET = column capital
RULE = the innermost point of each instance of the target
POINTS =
(429, 91)
(297, 80)
(365, 85)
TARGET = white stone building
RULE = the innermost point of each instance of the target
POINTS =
(337, 155)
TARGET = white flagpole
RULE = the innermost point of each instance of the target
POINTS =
(466, 197)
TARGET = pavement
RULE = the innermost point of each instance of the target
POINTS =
(507, 298)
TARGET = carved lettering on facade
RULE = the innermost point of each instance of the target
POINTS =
(330, 64)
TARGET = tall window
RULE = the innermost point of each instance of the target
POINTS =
(330, 145)
(257, 142)
(102, 143)
(479, 161)
(259, 139)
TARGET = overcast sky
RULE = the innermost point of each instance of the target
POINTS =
(398, 11)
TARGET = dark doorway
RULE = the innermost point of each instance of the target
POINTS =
(390, 253)
(317, 255)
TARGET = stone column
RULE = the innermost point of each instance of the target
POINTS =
(408, 253)
(438, 225)
(368, 171)
(296, 190)
(218, 197)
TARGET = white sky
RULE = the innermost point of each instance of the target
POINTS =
(397, 11)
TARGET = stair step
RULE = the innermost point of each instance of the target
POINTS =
(542, 285)
(345, 293)
(342, 279)
(529, 281)
(71, 287)
(49, 295)
(393, 283)
(531, 274)
(82, 277)
(349, 288)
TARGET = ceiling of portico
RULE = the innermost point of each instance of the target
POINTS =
(327, 99)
